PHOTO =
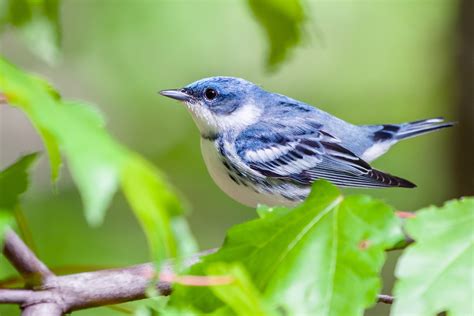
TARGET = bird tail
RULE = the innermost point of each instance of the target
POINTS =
(389, 180)
(416, 128)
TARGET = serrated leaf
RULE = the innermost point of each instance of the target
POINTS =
(240, 295)
(282, 21)
(436, 273)
(14, 181)
(95, 160)
(98, 163)
(321, 258)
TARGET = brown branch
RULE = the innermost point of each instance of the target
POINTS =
(407, 240)
(14, 296)
(403, 244)
(386, 299)
(81, 290)
(24, 260)
(44, 309)
(57, 295)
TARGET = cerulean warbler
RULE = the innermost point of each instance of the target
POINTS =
(263, 147)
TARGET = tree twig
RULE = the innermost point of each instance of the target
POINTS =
(44, 309)
(403, 244)
(24, 260)
(81, 290)
(14, 296)
(25, 232)
(386, 299)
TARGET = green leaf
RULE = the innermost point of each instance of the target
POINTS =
(282, 21)
(52, 147)
(49, 140)
(13, 182)
(6, 220)
(173, 311)
(321, 258)
(265, 211)
(98, 163)
(240, 295)
(152, 202)
(436, 274)
(95, 159)
(38, 23)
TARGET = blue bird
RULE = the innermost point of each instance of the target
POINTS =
(263, 147)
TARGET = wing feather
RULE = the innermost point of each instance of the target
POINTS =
(306, 157)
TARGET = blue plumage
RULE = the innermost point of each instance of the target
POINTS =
(263, 147)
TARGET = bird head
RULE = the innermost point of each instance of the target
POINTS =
(220, 104)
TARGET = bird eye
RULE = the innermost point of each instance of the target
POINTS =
(210, 94)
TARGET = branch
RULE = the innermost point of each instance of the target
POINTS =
(24, 260)
(58, 295)
(408, 240)
(14, 296)
(403, 244)
(386, 299)
(82, 290)
(105, 287)
(44, 309)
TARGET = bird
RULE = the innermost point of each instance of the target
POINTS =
(267, 148)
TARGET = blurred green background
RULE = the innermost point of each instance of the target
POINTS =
(364, 61)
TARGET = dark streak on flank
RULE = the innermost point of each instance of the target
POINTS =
(233, 178)
(226, 165)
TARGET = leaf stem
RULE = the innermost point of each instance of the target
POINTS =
(23, 227)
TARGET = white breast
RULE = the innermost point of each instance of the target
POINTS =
(239, 192)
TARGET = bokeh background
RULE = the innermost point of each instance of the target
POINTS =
(364, 61)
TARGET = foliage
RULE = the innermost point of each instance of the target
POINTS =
(282, 21)
(241, 295)
(37, 21)
(98, 164)
(323, 257)
(436, 274)
(13, 182)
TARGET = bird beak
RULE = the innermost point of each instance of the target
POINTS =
(177, 94)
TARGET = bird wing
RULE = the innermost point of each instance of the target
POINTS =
(306, 153)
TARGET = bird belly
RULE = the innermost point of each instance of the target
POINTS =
(376, 150)
(234, 186)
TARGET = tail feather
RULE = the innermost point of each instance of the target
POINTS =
(384, 136)
(416, 128)
(389, 180)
